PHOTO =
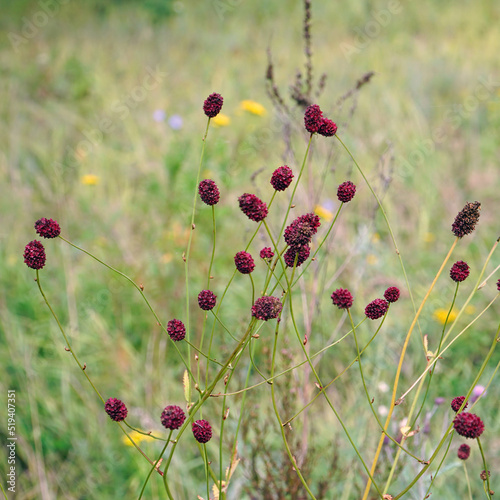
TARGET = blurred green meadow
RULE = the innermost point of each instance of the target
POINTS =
(100, 128)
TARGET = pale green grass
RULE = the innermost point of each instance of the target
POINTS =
(427, 60)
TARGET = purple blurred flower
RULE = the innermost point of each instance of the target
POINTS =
(159, 115)
(479, 390)
(175, 122)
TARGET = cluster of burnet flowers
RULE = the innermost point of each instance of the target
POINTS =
(315, 122)
(172, 417)
(468, 425)
(298, 236)
(34, 252)
(343, 299)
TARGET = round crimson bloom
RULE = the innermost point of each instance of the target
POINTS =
(266, 253)
(328, 128)
(209, 192)
(207, 300)
(392, 294)
(464, 452)
(346, 191)
(282, 178)
(459, 271)
(267, 308)
(313, 118)
(301, 230)
(176, 330)
(457, 403)
(202, 431)
(468, 425)
(342, 298)
(213, 104)
(253, 207)
(47, 228)
(34, 255)
(172, 417)
(376, 308)
(303, 254)
(116, 410)
(244, 262)
(466, 220)
(498, 285)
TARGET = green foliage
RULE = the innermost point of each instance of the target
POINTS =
(90, 56)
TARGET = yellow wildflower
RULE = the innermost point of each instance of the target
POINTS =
(371, 259)
(89, 180)
(429, 237)
(470, 310)
(137, 437)
(253, 107)
(323, 212)
(221, 120)
(441, 314)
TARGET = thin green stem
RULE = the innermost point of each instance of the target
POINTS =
(467, 480)
(282, 428)
(68, 344)
(187, 253)
(434, 476)
(140, 290)
(400, 365)
(155, 466)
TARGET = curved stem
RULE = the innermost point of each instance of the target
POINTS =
(400, 365)
(155, 466)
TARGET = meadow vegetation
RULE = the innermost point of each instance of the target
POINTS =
(101, 127)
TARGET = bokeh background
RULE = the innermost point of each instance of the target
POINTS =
(100, 129)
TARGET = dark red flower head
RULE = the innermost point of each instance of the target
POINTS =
(116, 410)
(302, 252)
(172, 417)
(498, 285)
(466, 220)
(301, 230)
(468, 425)
(328, 128)
(459, 271)
(213, 104)
(34, 255)
(206, 300)
(376, 308)
(346, 191)
(282, 178)
(456, 403)
(176, 330)
(47, 228)
(209, 192)
(244, 262)
(342, 298)
(202, 431)
(267, 308)
(254, 208)
(464, 452)
(392, 294)
(313, 118)
(266, 253)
